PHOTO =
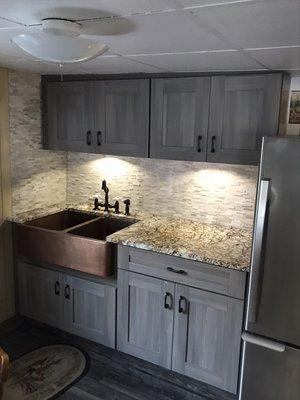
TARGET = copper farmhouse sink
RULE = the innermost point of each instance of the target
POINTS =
(72, 239)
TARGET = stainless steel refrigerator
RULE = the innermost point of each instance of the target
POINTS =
(271, 341)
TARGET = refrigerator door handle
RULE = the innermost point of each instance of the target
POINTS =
(263, 342)
(260, 221)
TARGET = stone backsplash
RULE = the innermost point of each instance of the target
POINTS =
(38, 176)
(211, 193)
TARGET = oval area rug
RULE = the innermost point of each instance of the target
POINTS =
(44, 373)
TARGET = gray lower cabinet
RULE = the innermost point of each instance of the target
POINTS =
(76, 305)
(40, 294)
(145, 317)
(90, 310)
(207, 336)
(179, 118)
(243, 109)
(188, 329)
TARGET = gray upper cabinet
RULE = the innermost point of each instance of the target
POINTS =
(243, 109)
(179, 118)
(68, 117)
(122, 117)
(207, 336)
(145, 317)
(107, 117)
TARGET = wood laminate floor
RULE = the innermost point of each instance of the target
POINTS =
(111, 375)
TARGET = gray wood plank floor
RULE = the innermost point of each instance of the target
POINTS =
(111, 375)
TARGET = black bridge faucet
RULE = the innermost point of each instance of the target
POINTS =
(106, 204)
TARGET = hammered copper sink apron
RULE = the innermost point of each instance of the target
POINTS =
(71, 239)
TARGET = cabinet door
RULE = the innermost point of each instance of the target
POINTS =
(68, 117)
(243, 109)
(122, 117)
(40, 294)
(145, 317)
(207, 336)
(90, 310)
(179, 118)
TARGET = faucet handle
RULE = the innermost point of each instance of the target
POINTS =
(127, 204)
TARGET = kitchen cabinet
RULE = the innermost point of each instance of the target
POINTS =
(68, 117)
(195, 331)
(106, 117)
(122, 117)
(40, 294)
(207, 336)
(78, 306)
(89, 310)
(243, 109)
(145, 317)
(218, 119)
(179, 118)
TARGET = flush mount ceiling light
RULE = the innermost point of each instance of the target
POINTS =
(59, 42)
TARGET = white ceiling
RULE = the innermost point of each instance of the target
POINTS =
(165, 35)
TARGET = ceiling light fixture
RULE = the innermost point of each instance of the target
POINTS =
(59, 42)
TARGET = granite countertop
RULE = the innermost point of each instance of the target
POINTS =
(213, 244)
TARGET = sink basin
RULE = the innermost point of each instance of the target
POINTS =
(71, 239)
(62, 220)
(100, 228)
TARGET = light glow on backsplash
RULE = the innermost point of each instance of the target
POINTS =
(110, 167)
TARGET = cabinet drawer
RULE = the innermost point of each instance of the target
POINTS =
(176, 269)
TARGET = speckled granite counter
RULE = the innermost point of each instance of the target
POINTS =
(217, 245)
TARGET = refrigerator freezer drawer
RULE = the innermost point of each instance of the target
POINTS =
(269, 374)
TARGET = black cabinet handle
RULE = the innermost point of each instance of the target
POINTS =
(57, 288)
(199, 143)
(88, 138)
(213, 139)
(182, 305)
(168, 305)
(99, 138)
(177, 271)
(67, 292)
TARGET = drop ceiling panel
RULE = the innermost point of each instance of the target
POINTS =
(209, 3)
(4, 24)
(283, 59)
(113, 65)
(24, 64)
(198, 62)
(166, 32)
(32, 11)
(256, 24)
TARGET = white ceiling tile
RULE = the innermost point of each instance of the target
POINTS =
(281, 58)
(32, 11)
(166, 32)
(198, 62)
(5, 24)
(113, 65)
(208, 3)
(256, 24)
(30, 65)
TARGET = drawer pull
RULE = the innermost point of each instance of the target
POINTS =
(177, 271)
(88, 138)
(57, 288)
(67, 292)
(168, 305)
(182, 305)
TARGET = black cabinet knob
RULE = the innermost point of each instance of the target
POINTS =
(99, 138)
